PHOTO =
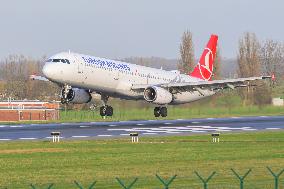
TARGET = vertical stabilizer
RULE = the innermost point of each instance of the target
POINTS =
(204, 68)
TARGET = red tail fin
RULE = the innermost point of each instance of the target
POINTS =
(204, 68)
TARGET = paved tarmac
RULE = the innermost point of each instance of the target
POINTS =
(95, 130)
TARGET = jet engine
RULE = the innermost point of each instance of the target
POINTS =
(157, 95)
(75, 95)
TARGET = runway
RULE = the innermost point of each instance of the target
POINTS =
(95, 130)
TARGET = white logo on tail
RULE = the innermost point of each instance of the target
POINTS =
(207, 73)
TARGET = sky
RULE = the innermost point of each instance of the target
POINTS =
(125, 28)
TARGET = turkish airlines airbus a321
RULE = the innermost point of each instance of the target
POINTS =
(81, 75)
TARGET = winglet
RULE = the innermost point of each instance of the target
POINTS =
(204, 68)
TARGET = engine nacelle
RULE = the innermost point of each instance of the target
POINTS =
(75, 95)
(157, 95)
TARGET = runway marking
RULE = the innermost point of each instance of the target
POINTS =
(263, 116)
(27, 138)
(84, 126)
(210, 118)
(272, 128)
(1, 126)
(112, 125)
(52, 137)
(177, 129)
(235, 117)
(124, 134)
(16, 126)
(197, 131)
(4, 139)
(195, 122)
(249, 129)
(151, 120)
(180, 119)
(104, 135)
(173, 132)
(149, 133)
(140, 124)
(80, 136)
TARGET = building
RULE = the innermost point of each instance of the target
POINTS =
(278, 102)
(26, 110)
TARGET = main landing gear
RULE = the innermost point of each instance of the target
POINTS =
(105, 110)
(160, 111)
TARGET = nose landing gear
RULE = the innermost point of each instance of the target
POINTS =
(160, 111)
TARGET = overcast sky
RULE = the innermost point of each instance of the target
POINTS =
(123, 28)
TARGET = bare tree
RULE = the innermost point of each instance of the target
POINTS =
(248, 62)
(186, 62)
(271, 57)
(217, 65)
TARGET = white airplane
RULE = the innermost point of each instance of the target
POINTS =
(81, 75)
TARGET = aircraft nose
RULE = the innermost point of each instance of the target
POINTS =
(48, 70)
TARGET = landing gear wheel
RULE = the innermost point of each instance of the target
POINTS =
(106, 111)
(160, 111)
(63, 101)
(157, 111)
(103, 111)
(109, 111)
(163, 111)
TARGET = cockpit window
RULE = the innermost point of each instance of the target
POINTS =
(56, 60)
(65, 61)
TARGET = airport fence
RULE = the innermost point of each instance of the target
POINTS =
(168, 183)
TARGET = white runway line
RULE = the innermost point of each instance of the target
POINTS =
(52, 137)
(104, 135)
(235, 117)
(263, 116)
(272, 128)
(195, 122)
(197, 131)
(140, 124)
(124, 134)
(4, 139)
(80, 136)
(16, 126)
(1, 126)
(112, 125)
(180, 119)
(170, 132)
(249, 129)
(210, 118)
(84, 126)
(27, 138)
(149, 133)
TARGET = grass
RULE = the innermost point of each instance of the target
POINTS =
(173, 113)
(122, 114)
(42, 162)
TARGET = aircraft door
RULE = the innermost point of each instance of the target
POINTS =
(80, 64)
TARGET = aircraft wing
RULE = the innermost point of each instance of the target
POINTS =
(213, 85)
(37, 77)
